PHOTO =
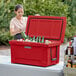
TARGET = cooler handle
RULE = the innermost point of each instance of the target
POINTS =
(53, 59)
(28, 47)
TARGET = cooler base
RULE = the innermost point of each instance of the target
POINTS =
(34, 63)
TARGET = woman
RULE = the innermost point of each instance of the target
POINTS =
(18, 23)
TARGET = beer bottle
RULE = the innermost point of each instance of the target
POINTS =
(28, 37)
(24, 35)
(72, 50)
(42, 40)
(71, 42)
(72, 47)
(37, 39)
(66, 58)
(66, 51)
(69, 50)
(34, 39)
(31, 39)
(69, 62)
(74, 62)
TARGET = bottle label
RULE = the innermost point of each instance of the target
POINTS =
(69, 51)
(69, 65)
(66, 58)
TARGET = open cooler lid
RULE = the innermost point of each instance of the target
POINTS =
(52, 28)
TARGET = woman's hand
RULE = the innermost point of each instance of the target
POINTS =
(13, 32)
(37, 14)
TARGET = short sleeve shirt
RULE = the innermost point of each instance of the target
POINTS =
(18, 24)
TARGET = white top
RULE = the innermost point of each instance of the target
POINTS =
(18, 24)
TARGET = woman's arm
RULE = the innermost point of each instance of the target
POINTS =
(13, 30)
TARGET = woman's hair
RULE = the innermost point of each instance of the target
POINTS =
(18, 6)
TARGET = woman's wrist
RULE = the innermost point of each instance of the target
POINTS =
(20, 30)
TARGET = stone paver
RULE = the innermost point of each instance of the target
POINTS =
(5, 52)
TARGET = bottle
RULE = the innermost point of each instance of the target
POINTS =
(70, 50)
(71, 46)
(37, 39)
(66, 58)
(34, 39)
(28, 37)
(31, 39)
(24, 35)
(42, 40)
(71, 42)
(66, 51)
(69, 64)
(74, 62)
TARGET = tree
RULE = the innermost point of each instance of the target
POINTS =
(31, 7)
(72, 10)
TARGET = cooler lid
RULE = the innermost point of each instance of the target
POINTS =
(52, 28)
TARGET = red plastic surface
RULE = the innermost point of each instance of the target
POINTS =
(34, 44)
(52, 28)
(40, 54)
(34, 53)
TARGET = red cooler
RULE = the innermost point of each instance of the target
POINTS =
(40, 54)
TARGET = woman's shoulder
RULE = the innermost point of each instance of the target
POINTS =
(25, 18)
(13, 19)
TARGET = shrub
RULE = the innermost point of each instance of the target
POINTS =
(32, 7)
(5, 37)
